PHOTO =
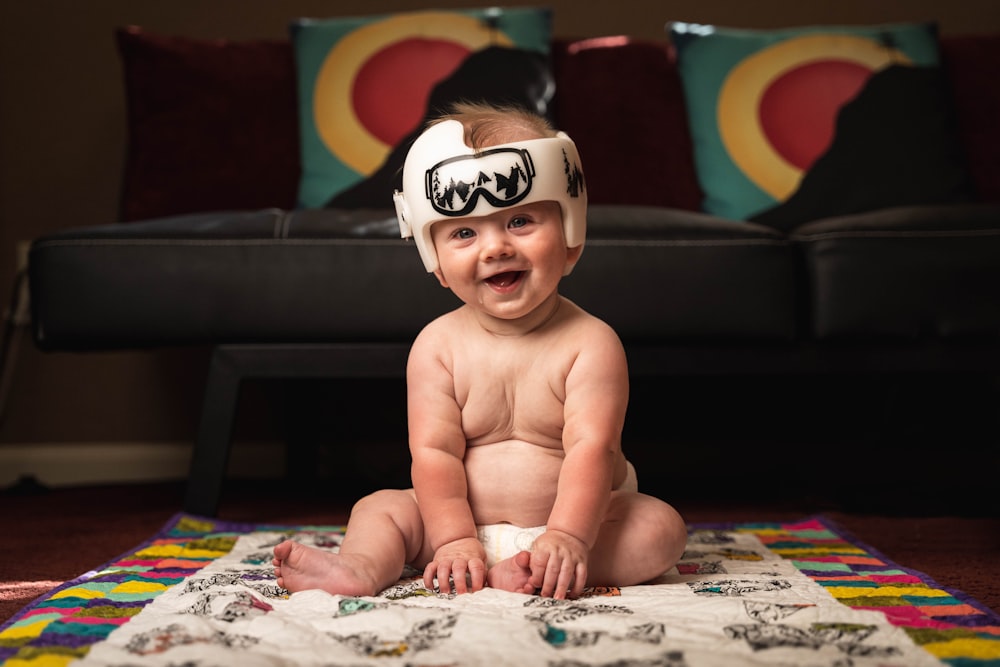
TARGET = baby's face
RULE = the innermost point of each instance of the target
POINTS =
(508, 263)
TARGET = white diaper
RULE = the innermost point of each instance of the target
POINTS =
(631, 482)
(504, 540)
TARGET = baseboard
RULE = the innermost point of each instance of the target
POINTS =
(83, 463)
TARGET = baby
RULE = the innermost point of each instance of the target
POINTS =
(516, 400)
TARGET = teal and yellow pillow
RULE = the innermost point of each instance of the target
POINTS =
(366, 85)
(798, 123)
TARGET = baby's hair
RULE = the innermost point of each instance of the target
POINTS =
(489, 125)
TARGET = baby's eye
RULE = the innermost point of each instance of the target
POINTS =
(463, 233)
(518, 222)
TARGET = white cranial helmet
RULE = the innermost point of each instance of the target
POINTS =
(443, 178)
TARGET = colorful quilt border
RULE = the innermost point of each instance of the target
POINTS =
(948, 624)
(63, 624)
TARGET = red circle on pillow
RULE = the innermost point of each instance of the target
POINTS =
(391, 88)
(798, 110)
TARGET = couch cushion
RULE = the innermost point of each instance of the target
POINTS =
(787, 123)
(367, 84)
(658, 274)
(912, 272)
(325, 275)
(268, 276)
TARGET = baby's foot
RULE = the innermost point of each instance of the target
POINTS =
(512, 574)
(299, 567)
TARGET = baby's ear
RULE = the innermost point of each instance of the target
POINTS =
(572, 257)
(440, 277)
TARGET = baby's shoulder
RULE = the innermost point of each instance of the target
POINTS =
(435, 342)
(443, 328)
(579, 322)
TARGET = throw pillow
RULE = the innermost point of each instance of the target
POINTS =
(794, 124)
(212, 124)
(367, 84)
(620, 99)
(972, 63)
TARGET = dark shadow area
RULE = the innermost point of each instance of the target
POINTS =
(899, 444)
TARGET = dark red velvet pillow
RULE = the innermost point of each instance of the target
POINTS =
(212, 125)
(621, 101)
(972, 63)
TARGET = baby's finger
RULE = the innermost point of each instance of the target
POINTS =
(579, 581)
(429, 572)
(565, 580)
(552, 571)
(458, 570)
(443, 576)
(538, 564)
(541, 560)
(477, 574)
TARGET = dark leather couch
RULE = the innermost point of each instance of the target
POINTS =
(280, 292)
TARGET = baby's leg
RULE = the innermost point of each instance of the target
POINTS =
(383, 534)
(641, 538)
(512, 574)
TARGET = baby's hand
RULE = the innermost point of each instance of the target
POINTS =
(455, 560)
(559, 565)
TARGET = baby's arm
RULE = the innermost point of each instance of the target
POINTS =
(596, 399)
(437, 447)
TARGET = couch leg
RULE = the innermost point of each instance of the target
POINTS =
(230, 364)
(214, 439)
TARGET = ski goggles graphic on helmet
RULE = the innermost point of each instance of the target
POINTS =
(443, 178)
(501, 176)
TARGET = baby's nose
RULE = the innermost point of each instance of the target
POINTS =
(495, 246)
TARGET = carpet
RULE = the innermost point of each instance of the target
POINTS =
(201, 592)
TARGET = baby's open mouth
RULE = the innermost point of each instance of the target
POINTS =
(505, 279)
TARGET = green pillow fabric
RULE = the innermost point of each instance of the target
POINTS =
(366, 84)
(763, 106)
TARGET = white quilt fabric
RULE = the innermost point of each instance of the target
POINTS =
(737, 604)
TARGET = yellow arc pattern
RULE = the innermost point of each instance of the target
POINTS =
(738, 114)
(339, 127)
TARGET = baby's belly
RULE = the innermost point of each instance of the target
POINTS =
(512, 482)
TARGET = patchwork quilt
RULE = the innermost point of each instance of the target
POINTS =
(202, 592)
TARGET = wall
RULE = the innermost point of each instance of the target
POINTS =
(62, 142)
